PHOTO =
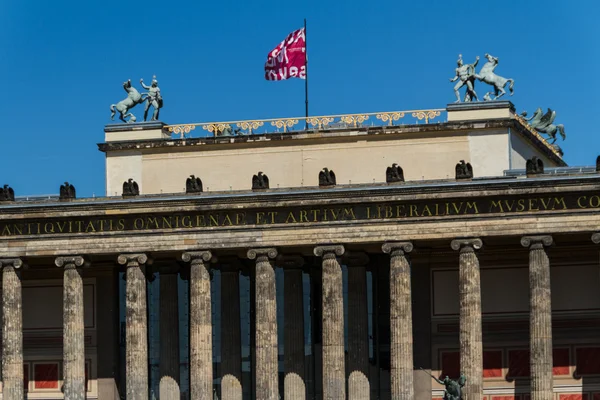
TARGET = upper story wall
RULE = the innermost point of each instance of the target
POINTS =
(477, 133)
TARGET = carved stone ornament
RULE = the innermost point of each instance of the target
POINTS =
(472, 243)
(67, 192)
(534, 166)
(338, 250)
(464, 170)
(132, 259)
(193, 185)
(270, 252)
(596, 238)
(542, 240)
(389, 247)
(7, 193)
(195, 256)
(598, 164)
(394, 174)
(130, 188)
(16, 263)
(69, 261)
(327, 178)
(260, 181)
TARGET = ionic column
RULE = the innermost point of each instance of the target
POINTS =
(12, 330)
(540, 317)
(168, 386)
(201, 368)
(471, 343)
(334, 374)
(293, 383)
(231, 345)
(358, 327)
(265, 301)
(73, 327)
(136, 325)
(401, 327)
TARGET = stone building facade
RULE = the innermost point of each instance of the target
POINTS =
(307, 284)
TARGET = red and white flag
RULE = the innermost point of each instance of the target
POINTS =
(288, 59)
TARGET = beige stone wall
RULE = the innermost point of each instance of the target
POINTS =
(521, 150)
(489, 152)
(120, 166)
(358, 159)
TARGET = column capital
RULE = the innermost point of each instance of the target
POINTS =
(390, 247)
(196, 256)
(132, 259)
(355, 259)
(596, 237)
(337, 250)
(290, 261)
(16, 263)
(270, 252)
(69, 261)
(468, 244)
(539, 241)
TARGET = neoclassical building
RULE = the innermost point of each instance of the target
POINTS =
(363, 256)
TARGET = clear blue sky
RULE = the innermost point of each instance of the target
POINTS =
(63, 62)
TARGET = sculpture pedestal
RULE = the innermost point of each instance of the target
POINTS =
(135, 131)
(480, 110)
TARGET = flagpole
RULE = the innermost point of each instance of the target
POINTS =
(306, 77)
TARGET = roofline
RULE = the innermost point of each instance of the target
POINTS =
(337, 192)
(535, 139)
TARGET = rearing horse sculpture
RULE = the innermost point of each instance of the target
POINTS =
(133, 98)
(488, 76)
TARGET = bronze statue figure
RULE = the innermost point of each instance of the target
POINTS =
(67, 191)
(130, 188)
(488, 76)
(453, 389)
(133, 98)
(154, 98)
(464, 170)
(467, 76)
(7, 193)
(394, 174)
(193, 185)
(327, 178)
(534, 166)
(544, 123)
(260, 181)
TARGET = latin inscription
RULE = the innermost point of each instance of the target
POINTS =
(300, 215)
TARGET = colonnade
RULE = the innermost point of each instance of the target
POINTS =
(335, 384)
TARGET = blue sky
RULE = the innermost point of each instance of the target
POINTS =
(62, 64)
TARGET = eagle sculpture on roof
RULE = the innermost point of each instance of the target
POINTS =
(7, 193)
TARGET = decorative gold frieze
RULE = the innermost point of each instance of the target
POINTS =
(316, 123)
(354, 119)
(181, 129)
(249, 125)
(390, 117)
(427, 115)
(284, 123)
